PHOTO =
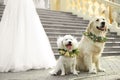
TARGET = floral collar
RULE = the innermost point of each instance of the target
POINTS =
(95, 38)
(66, 53)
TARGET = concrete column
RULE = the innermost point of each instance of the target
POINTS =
(118, 15)
(47, 4)
(41, 4)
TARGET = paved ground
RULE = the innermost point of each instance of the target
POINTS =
(110, 63)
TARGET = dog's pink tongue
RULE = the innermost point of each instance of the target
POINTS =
(69, 47)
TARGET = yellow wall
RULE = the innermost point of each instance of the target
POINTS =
(55, 5)
(58, 5)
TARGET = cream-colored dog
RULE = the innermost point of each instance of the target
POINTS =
(66, 62)
(91, 46)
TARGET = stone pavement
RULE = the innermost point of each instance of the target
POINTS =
(110, 63)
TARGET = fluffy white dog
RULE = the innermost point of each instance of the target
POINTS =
(67, 47)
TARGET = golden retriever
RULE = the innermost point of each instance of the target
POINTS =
(91, 46)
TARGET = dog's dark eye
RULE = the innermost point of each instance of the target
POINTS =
(103, 19)
(97, 20)
(66, 39)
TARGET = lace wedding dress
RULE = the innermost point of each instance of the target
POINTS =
(24, 44)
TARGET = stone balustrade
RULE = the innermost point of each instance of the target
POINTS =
(90, 8)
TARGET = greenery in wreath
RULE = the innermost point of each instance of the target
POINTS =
(66, 53)
(94, 37)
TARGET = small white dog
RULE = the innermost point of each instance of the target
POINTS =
(67, 47)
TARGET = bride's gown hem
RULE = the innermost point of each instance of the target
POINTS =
(24, 44)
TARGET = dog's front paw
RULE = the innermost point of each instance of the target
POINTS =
(78, 72)
(75, 73)
(62, 74)
(53, 73)
(101, 70)
(93, 71)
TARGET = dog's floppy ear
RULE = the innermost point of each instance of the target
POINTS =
(90, 25)
(75, 43)
(60, 42)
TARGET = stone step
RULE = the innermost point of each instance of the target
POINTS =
(106, 47)
(111, 53)
(116, 46)
(57, 15)
(61, 17)
(81, 26)
(65, 22)
(53, 40)
(1, 7)
(49, 29)
(113, 38)
(53, 11)
(74, 34)
(108, 43)
(57, 19)
(62, 20)
(55, 45)
(55, 49)
(64, 27)
(111, 44)
(109, 39)
(64, 31)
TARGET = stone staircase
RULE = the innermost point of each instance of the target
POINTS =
(58, 24)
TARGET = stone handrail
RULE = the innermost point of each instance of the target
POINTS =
(90, 8)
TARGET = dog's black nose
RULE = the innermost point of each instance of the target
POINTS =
(69, 42)
(103, 23)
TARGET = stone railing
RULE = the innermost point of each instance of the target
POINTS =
(90, 8)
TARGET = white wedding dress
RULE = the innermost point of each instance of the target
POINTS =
(24, 44)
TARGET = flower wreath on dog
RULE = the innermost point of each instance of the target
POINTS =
(66, 53)
(95, 38)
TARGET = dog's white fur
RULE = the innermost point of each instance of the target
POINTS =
(90, 52)
(66, 63)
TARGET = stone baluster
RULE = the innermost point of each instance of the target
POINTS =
(68, 5)
(80, 11)
(114, 16)
(77, 6)
(93, 8)
(107, 12)
(99, 7)
(73, 6)
(86, 6)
